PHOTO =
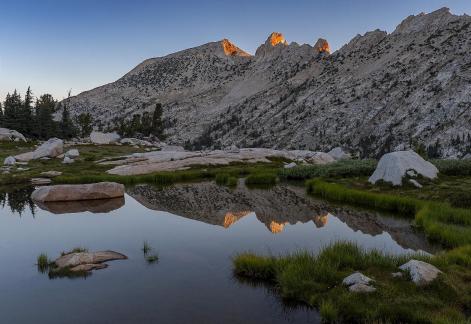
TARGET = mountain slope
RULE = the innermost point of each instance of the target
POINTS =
(377, 93)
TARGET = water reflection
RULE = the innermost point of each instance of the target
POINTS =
(276, 208)
(18, 199)
(93, 206)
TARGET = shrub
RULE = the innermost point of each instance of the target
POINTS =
(453, 167)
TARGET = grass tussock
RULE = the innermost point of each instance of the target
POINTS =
(43, 263)
(347, 168)
(316, 280)
(442, 223)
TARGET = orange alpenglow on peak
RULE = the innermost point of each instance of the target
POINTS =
(231, 50)
(277, 38)
(322, 46)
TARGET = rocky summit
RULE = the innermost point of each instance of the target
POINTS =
(378, 93)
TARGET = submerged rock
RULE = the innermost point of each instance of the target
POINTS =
(422, 273)
(102, 190)
(392, 167)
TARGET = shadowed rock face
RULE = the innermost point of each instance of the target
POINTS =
(96, 206)
(275, 208)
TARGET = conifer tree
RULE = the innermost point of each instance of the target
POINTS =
(66, 126)
(157, 124)
(46, 127)
(84, 122)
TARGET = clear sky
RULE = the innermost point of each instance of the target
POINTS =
(57, 45)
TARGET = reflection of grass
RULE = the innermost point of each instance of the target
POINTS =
(43, 263)
(152, 258)
(225, 179)
(55, 273)
(449, 226)
(146, 248)
(316, 280)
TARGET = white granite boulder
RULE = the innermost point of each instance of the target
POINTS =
(68, 160)
(74, 153)
(104, 138)
(422, 273)
(52, 148)
(290, 165)
(11, 135)
(356, 278)
(339, 154)
(9, 161)
(101, 190)
(392, 167)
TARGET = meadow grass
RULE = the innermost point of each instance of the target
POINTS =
(316, 279)
(225, 179)
(346, 168)
(453, 167)
(261, 178)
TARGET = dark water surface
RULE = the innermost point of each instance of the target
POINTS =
(195, 229)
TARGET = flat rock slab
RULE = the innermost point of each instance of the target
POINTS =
(50, 174)
(101, 190)
(89, 267)
(87, 259)
(40, 181)
(422, 273)
(361, 288)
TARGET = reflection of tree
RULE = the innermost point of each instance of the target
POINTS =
(18, 200)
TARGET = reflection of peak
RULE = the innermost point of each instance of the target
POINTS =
(231, 217)
(275, 227)
(321, 220)
(231, 50)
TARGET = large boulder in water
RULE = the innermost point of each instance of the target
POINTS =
(101, 190)
(104, 138)
(392, 167)
(11, 135)
(52, 148)
(81, 258)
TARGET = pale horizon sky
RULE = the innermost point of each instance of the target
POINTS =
(56, 45)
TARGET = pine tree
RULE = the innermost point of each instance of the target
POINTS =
(84, 122)
(146, 124)
(45, 126)
(66, 126)
(157, 124)
(1, 115)
(26, 113)
(13, 106)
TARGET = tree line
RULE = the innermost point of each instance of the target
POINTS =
(35, 119)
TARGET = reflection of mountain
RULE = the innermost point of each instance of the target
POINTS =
(93, 206)
(275, 208)
(218, 205)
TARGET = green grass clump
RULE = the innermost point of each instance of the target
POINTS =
(453, 167)
(346, 168)
(43, 262)
(442, 223)
(316, 279)
(396, 204)
(264, 178)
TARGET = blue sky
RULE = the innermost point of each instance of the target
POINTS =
(57, 45)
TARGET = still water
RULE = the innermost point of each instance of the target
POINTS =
(195, 229)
